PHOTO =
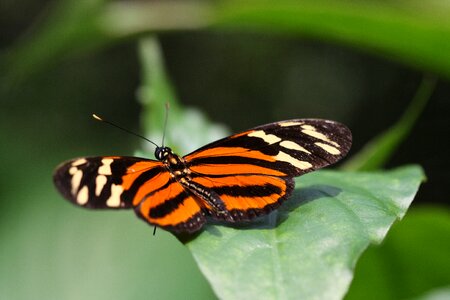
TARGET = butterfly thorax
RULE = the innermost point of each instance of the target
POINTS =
(175, 164)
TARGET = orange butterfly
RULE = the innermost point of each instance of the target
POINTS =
(233, 179)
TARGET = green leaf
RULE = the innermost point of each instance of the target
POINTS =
(155, 90)
(309, 247)
(380, 149)
(413, 260)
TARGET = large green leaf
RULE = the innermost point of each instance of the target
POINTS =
(309, 247)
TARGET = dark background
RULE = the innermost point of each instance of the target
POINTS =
(240, 79)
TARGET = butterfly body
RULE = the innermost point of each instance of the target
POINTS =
(233, 179)
(180, 172)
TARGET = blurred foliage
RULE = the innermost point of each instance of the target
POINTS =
(51, 251)
(68, 29)
(408, 31)
(412, 261)
(378, 151)
(156, 91)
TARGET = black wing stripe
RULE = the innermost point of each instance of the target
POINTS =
(248, 190)
(168, 206)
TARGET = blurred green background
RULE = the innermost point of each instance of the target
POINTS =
(241, 65)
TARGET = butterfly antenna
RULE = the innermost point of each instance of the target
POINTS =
(154, 230)
(121, 128)
(165, 122)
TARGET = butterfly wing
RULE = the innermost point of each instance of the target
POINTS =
(253, 171)
(236, 178)
(129, 182)
(107, 181)
(171, 207)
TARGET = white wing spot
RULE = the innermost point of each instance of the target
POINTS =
(73, 170)
(268, 138)
(318, 135)
(288, 124)
(83, 196)
(309, 127)
(114, 200)
(293, 146)
(76, 180)
(328, 148)
(281, 156)
(105, 169)
(79, 162)
(100, 182)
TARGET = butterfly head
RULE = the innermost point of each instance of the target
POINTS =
(161, 153)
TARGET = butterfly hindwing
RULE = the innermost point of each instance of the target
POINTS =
(246, 196)
(172, 207)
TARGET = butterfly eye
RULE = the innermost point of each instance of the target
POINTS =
(162, 152)
(159, 153)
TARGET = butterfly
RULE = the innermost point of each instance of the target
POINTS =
(234, 179)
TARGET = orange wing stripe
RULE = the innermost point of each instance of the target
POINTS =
(182, 214)
(161, 196)
(231, 151)
(135, 171)
(245, 203)
(230, 169)
(152, 185)
(186, 210)
(212, 182)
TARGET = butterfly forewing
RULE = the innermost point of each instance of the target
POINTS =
(233, 179)
(288, 148)
(106, 182)
(252, 171)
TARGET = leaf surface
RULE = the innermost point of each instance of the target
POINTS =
(309, 247)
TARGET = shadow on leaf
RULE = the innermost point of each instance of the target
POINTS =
(275, 218)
